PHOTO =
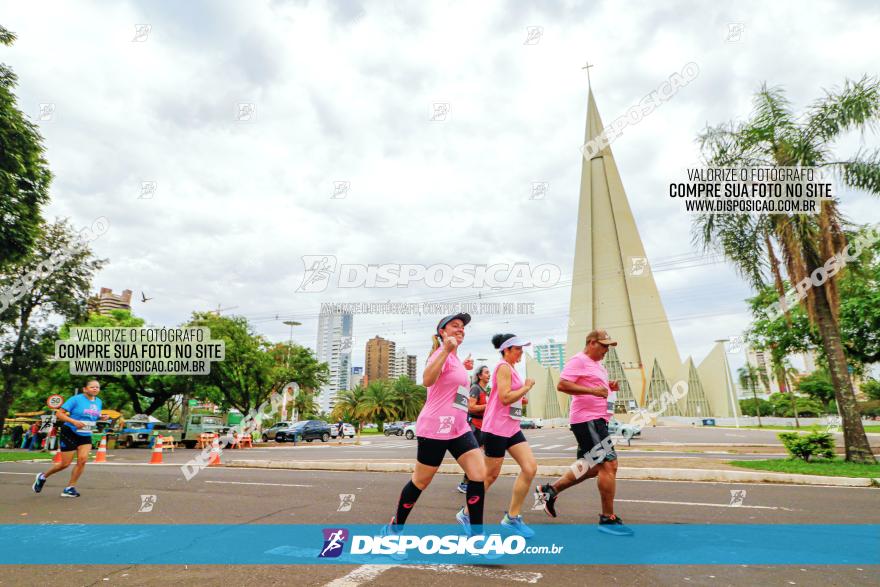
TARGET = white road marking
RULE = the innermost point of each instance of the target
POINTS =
(362, 574)
(551, 446)
(474, 571)
(254, 483)
(713, 505)
(11, 473)
(367, 573)
(572, 448)
(535, 445)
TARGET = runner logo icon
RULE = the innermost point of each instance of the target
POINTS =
(334, 541)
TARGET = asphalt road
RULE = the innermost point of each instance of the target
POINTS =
(660, 442)
(112, 494)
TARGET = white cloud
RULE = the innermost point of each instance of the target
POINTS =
(344, 93)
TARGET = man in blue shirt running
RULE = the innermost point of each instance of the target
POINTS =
(78, 416)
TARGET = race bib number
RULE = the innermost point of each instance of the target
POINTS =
(516, 410)
(612, 398)
(461, 399)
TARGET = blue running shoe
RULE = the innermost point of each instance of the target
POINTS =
(462, 487)
(389, 530)
(465, 520)
(517, 525)
(39, 482)
(614, 526)
(70, 492)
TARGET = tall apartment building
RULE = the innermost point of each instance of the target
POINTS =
(412, 367)
(334, 348)
(106, 300)
(404, 364)
(380, 359)
(550, 354)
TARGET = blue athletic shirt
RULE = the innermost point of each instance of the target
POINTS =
(80, 407)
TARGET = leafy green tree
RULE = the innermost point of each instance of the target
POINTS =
(41, 291)
(253, 367)
(782, 405)
(24, 172)
(762, 244)
(859, 316)
(818, 386)
(871, 388)
(754, 407)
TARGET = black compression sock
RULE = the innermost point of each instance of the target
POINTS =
(476, 491)
(408, 498)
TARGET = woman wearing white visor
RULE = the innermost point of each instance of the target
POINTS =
(501, 428)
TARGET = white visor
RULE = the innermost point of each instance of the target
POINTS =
(515, 341)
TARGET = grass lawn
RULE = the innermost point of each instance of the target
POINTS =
(371, 431)
(835, 468)
(871, 428)
(6, 457)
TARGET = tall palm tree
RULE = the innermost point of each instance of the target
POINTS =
(409, 397)
(378, 404)
(305, 405)
(748, 379)
(774, 136)
(790, 375)
(348, 406)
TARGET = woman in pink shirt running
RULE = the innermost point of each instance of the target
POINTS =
(501, 429)
(442, 426)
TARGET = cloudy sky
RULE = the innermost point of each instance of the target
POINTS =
(346, 92)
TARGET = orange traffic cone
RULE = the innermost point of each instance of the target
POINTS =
(56, 456)
(156, 459)
(214, 460)
(101, 456)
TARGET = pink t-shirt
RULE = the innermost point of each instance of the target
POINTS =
(496, 418)
(439, 418)
(583, 370)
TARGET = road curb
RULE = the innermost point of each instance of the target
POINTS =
(656, 474)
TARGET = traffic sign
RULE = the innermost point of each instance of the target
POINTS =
(54, 401)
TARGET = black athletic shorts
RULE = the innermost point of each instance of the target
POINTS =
(70, 440)
(495, 446)
(478, 434)
(590, 434)
(432, 450)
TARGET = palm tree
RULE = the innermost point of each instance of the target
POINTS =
(748, 379)
(409, 397)
(348, 406)
(378, 404)
(305, 405)
(774, 136)
(789, 375)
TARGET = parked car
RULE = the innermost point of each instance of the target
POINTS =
(308, 430)
(347, 430)
(527, 423)
(135, 433)
(395, 428)
(410, 431)
(624, 429)
(269, 433)
(189, 432)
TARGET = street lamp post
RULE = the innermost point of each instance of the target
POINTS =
(729, 381)
(290, 323)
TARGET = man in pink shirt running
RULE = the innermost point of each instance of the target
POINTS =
(586, 380)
